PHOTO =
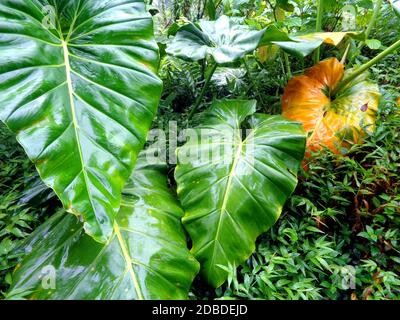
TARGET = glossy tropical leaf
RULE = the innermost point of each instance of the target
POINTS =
(233, 189)
(331, 121)
(223, 39)
(146, 257)
(81, 97)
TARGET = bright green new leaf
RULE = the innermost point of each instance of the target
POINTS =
(78, 86)
(145, 258)
(223, 39)
(233, 188)
(373, 44)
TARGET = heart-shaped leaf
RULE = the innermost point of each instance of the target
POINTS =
(233, 189)
(223, 39)
(331, 121)
(78, 87)
(145, 258)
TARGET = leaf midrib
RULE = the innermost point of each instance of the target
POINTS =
(116, 228)
(74, 118)
(76, 127)
(226, 195)
(128, 261)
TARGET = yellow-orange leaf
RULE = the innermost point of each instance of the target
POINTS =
(331, 121)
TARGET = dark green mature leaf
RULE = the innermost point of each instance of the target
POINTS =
(146, 257)
(234, 188)
(211, 10)
(80, 97)
(223, 39)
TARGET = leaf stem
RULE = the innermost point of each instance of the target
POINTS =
(368, 30)
(366, 66)
(287, 65)
(203, 91)
(373, 19)
(318, 28)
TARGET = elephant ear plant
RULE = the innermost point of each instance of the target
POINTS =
(145, 258)
(78, 87)
(234, 187)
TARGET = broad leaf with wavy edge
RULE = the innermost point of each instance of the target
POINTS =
(223, 39)
(146, 257)
(81, 97)
(234, 188)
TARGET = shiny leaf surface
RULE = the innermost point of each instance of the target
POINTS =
(146, 257)
(78, 87)
(331, 121)
(223, 39)
(233, 189)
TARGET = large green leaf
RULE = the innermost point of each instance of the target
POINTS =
(81, 97)
(223, 39)
(146, 257)
(233, 189)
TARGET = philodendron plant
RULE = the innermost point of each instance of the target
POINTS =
(145, 258)
(225, 41)
(236, 186)
(78, 86)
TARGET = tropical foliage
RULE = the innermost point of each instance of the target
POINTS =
(199, 149)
